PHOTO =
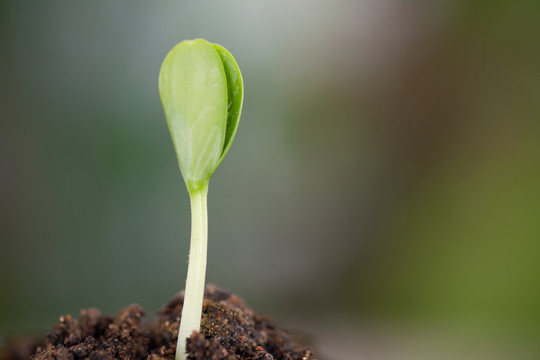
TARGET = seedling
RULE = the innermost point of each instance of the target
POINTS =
(201, 91)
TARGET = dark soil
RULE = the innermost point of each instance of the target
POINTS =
(229, 331)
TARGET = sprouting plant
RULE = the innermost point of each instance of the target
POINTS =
(201, 91)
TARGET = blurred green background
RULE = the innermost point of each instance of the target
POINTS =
(382, 194)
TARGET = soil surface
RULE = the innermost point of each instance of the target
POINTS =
(229, 331)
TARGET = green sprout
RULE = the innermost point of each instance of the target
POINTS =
(201, 91)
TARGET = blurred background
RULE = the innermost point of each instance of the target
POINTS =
(381, 199)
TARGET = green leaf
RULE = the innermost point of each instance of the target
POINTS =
(194, 94)
(235, 89)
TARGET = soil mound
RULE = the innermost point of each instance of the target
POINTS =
(229, 331)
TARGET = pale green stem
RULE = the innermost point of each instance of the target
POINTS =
(193, 298)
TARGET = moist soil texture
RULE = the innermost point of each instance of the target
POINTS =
(229, 331)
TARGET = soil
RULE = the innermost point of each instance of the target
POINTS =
(229, 331)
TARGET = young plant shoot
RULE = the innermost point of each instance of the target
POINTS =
(201, 91)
